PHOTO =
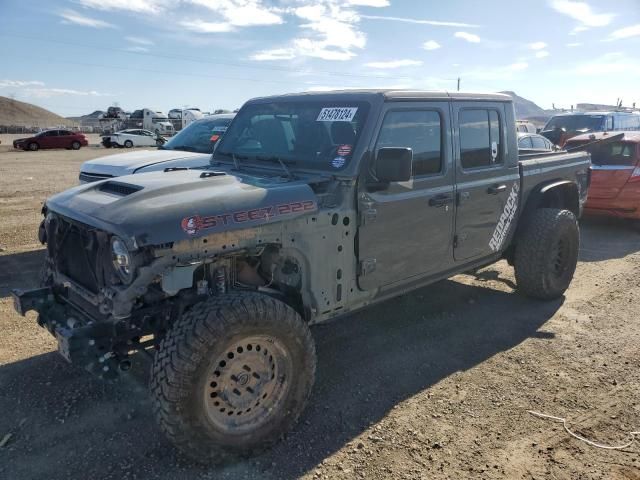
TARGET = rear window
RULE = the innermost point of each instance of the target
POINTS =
(617, 153)
(573, 123)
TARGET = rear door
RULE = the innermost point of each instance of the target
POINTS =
(484, 179)
(49, 139)
(406, 228)
(612, 165)
(65, 139)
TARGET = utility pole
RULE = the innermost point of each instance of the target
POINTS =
(458, 83)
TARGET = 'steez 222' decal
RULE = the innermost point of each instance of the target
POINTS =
(509, 212)
(192, 225)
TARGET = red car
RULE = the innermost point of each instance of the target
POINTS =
(52, 139)
(615, 173)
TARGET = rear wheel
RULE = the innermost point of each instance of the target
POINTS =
(75, 145)
(547, 253)
(128, 144)
(232, 376)
(33, 146)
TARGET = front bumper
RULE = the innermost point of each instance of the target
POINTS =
(81, 340)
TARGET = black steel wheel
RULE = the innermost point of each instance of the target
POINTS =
(546, 253)
(232, 376)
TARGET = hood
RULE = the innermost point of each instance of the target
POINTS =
(161, 207)
(128, 163)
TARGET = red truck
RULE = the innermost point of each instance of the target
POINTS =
(615, 173)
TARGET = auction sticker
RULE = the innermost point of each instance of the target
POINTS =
(337, 114)
(344, 150)
(338, 162)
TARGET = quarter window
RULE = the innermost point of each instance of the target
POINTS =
(539, 143)
(420, 130)
(525, 142)
(480, 138)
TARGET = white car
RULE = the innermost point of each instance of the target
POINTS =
(133, 138)
(190, 148)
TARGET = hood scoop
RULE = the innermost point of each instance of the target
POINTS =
(119, 188)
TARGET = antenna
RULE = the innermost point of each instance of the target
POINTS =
(458, 83)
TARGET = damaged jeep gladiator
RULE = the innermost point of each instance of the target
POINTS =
(313, 206)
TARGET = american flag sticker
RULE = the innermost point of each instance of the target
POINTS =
(344, 150)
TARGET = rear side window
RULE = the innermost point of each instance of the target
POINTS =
(525, 143)
(539, 143)
(480, 138)
(618, 153)
(420, 130)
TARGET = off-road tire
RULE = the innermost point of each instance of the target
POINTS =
(183, 368)
(546, 253)
(33, 146)
(128, 144)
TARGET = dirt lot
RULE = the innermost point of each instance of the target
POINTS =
(433, 385)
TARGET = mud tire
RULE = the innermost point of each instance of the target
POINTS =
(183, 366)
(546, 253)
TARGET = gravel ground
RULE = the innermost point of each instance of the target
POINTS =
(433, 385)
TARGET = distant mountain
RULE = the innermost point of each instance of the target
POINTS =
(89, 120)
(22, 114)
(526, 109)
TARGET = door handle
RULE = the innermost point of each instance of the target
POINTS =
(496, 189)
(440, 200)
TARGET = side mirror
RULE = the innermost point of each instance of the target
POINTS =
(394, 164)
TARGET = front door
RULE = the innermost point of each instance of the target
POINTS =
(487, 180)
(406, 227)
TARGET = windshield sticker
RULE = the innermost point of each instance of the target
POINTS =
(337, 114)
(195, 223)
(338, 162)
(504, 222)
(219, 129)
(344, 150)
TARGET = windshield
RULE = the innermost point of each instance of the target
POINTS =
(312, 134)
(573, 123)
(618, 153)
(198, 136)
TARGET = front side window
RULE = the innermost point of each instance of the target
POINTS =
(480, 138)
(314, 134)
(420, 130)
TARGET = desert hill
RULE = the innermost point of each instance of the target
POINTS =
(22, 114)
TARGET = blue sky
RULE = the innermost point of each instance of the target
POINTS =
(76, 56)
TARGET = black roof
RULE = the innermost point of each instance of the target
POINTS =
(388, 94)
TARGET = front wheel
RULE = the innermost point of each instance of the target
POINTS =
(75, 145)
(33, 146)
(232, 376)
(546, 253)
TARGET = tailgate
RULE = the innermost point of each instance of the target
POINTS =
(612, 166)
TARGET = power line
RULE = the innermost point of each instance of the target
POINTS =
(209, 61)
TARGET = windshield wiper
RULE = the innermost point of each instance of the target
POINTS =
(233, 156)
(283, 164)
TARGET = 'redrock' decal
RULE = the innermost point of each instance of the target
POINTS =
(509, 212)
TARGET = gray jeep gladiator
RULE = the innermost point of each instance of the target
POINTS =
(313, 206)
